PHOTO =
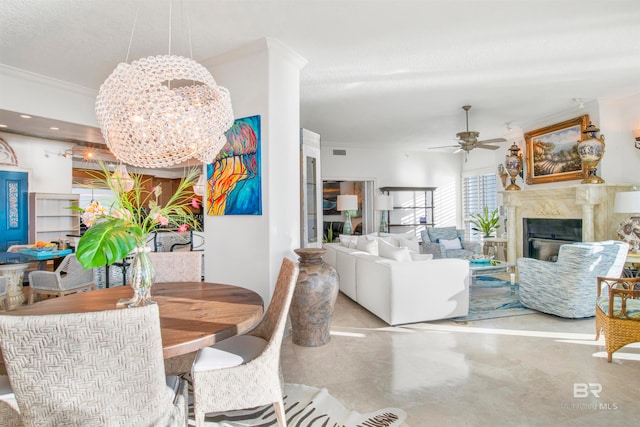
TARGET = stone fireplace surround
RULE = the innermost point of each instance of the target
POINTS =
(592, 203)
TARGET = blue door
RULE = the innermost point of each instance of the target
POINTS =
(14, 203)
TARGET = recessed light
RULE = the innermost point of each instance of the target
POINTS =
(25, 116)
(3, 126)
(54, 128)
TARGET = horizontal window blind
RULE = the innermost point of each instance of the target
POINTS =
(478, 191)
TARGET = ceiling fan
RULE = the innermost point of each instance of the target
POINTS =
(468, 140)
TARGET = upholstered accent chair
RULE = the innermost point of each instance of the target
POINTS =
(177, 266)
(70, 277)
(447, 242)
(567, 287)
(244, 371)
(618, 312)
(91, 369)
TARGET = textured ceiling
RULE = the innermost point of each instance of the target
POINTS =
(379, 72)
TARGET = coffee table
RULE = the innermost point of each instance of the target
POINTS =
(493, 267)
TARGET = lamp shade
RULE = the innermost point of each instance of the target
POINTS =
(383, 202)
(121, 180)
(199, 186)
(627, 202)
(347, 202)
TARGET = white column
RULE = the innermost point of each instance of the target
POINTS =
(263, 79)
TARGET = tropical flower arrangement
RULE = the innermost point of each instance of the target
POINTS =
(114, 231)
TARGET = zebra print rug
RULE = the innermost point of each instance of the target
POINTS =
(307, 407)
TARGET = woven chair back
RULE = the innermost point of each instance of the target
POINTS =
(89, 369)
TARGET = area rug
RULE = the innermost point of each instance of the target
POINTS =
(491, 298)
(306, 406)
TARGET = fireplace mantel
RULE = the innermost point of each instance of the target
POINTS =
(592, 203)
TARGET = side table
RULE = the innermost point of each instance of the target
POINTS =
(497, 247)
(632, 265)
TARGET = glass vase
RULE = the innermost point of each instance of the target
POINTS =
(140, 277)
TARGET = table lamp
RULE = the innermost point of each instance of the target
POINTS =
(383, 203)
(347, 203)
(629, 229)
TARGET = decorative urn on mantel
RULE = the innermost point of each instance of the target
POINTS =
(591, 151)
(313, 299)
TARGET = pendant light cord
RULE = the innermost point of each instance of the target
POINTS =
(133, 30)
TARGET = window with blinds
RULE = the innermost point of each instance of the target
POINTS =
(478, 191)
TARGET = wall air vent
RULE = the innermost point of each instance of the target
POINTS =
(339, 152)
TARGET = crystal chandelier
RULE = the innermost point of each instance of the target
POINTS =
(150, 118)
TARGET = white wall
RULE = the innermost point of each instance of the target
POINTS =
(49, 172)
(42, 96)
(263, 79)
(391, 167)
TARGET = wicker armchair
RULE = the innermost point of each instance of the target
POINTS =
(618, 312)
(244, 371)
(567, 287)
(70, 277)
(91, 369)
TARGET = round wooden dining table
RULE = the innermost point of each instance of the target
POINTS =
(193, 315)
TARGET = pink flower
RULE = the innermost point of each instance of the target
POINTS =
(195, 203)
(183, 228)
(162, 220)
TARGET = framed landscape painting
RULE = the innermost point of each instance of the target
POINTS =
(234, 178)
(552, 153)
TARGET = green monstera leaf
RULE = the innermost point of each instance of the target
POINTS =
(107, 242)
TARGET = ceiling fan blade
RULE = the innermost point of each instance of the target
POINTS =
(488, 147)
(459, 150)
(486, 141)
(443, 146)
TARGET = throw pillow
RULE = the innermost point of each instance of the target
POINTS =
(386, 250)
(420, 257)
(369, 246)
(411, 244)
(450, 244)
(348, 240)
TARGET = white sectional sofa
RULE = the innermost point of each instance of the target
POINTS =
(405, 291)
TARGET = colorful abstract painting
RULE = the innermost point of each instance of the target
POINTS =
(234, 178)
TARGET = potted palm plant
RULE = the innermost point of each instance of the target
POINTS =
(485, 222)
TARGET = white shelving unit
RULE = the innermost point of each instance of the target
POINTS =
(50, 218)
(412, 208)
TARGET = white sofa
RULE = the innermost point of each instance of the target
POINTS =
(402, 292)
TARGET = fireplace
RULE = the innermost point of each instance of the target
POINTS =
(592, 204)
(543, 236)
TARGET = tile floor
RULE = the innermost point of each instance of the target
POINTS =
(515, 371)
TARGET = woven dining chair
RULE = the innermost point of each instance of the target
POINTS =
(91, 369)
(70, 277)
(244, 371)
(183, 266)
